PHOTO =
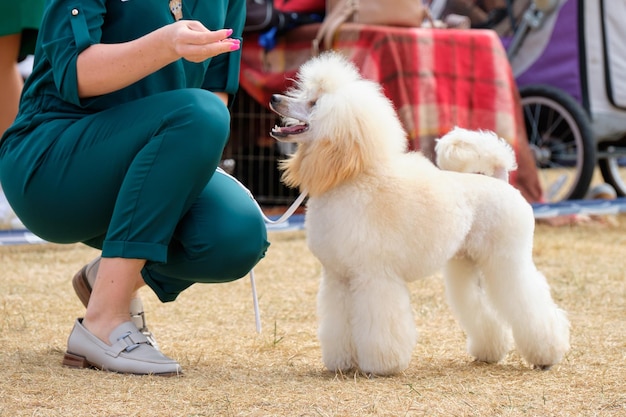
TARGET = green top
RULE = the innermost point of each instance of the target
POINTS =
(21, 16)
(70, 26)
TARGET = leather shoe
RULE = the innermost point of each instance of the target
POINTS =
(83, 283)
(129, 352)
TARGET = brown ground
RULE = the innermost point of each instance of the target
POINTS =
(229, 370)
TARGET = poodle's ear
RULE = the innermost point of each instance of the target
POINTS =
(323, 164)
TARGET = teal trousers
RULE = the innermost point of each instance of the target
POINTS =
(139, 181)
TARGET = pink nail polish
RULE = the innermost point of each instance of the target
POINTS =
(230, 32)
(235, 46)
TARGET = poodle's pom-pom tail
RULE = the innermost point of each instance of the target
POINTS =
(477, 152)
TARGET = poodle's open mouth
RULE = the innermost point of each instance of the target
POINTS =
(291, 125)
(289, 129)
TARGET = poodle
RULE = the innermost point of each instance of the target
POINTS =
(379, 216)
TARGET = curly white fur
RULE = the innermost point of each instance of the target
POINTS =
(477, 152)
(379, 217)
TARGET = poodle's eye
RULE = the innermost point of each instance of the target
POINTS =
(312, 103)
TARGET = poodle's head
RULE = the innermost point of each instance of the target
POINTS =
(343, 125)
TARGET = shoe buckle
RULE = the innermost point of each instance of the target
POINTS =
(130, 343)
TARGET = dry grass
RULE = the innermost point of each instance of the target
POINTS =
(232, 371)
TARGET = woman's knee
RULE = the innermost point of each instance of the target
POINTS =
(206, 113)
(238, 248)
(250, 241)
(229, 257)
(223, 234)
(199, 120)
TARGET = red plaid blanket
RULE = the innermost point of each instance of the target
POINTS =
(436, 78)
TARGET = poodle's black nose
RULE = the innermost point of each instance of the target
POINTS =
(276, 98)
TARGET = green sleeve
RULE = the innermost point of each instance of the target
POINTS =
(69, 27)
(223, 72)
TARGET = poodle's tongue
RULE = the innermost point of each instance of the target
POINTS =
(290, 130)
(294, 129)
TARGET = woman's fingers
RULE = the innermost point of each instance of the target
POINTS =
(201, 52)
(199, 34)
(194, 42)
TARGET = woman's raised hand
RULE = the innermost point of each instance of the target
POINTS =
(191, 40)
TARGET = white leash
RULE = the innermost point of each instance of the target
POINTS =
(294, 206)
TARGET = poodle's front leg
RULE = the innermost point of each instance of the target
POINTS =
(333, 309)
(383, 326)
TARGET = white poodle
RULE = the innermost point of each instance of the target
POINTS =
(379, 216)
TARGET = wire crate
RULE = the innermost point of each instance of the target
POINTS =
(252, 155)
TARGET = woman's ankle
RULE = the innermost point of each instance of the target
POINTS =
(102, 327)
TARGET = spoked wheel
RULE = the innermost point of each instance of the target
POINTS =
(612, 163)
(561, 139)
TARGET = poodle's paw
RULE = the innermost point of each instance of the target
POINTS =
(550, 355)
(337, 352)
(384, 366)
(385, 360)
(491, 344)
(338, 363)
(549, 345)
(490, 352)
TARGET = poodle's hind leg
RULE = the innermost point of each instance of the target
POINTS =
(488, 338)
(383, 326)
(334, 333)
(522, 297)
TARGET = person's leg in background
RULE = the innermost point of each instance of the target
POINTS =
(19, 21)
(11, 81)
(11, 84)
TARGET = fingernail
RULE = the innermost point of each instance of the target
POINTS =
(230, 32)
(235, 46)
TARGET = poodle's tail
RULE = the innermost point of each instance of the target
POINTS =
(478, 152)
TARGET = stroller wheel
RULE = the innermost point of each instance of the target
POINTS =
(612, 163)
(560, 136)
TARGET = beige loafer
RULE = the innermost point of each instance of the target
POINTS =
(83, 283)
(130, 352)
